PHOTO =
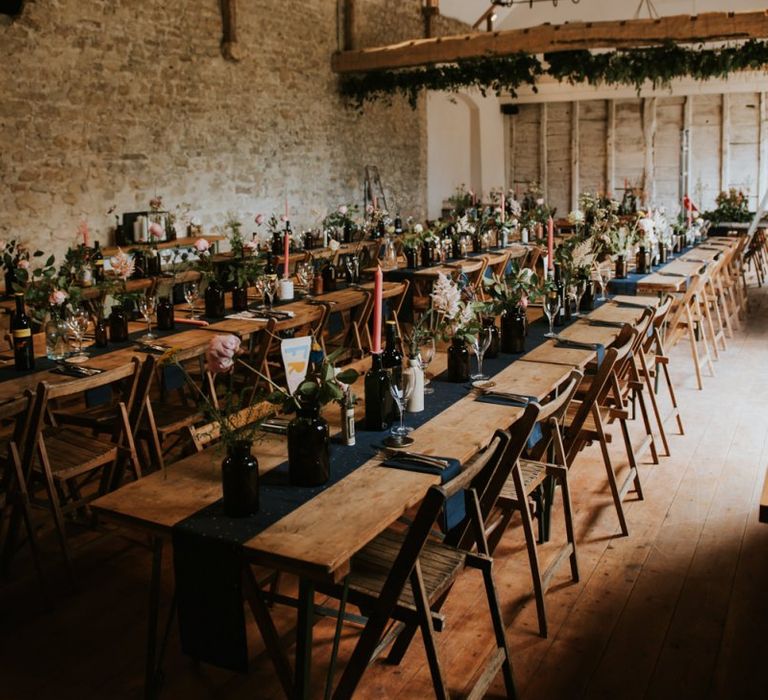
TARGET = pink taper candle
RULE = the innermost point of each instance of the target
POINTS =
(286, 255)
(378, 290)
(550, 243)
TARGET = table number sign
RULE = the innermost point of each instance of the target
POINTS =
(295, 353)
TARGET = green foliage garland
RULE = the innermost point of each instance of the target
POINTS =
(659, 65)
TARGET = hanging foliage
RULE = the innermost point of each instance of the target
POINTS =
(658, 65)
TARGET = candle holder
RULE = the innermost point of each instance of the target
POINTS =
(286, 289)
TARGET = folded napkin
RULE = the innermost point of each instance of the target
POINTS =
(76, 371)
(631, 305)
(498, 400)
(455, 510)
(606, 324)
(672, 274)
(191, 321)
(597, 347)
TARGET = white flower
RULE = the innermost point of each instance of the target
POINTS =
(418, 229)
(334, 245)
(467, 315)
(514, 208)
(446, 296)
(540, 202)
(343, 210)
(646, 226)
(576, 217)
(196, 221)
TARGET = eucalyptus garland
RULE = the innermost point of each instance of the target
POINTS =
(505, 74)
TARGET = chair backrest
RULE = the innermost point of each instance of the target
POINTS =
(596, 389)
(488, 480)
(551, 417)
(426, 518)
(47, 392)
(16, 410)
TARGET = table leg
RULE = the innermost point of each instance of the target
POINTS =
(304, 638)
(150, 671)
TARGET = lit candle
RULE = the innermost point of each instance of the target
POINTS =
(689, 210)
(550, 243)
(378, 290)
(287, 255)
(503, 208)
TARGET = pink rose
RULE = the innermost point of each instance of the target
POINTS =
(259, 219)
(24, 264)
(251, 246)
(283, 218)
(343, 210)
(2, 244)
(369, 209)
(523, 302)
(202, 245)
(58, 297)
(221, 352)
(156, 230)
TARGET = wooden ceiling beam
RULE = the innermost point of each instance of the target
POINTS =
(709, 26)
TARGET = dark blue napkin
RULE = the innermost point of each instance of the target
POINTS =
(598, 348)
(455, 510)
(536, 433)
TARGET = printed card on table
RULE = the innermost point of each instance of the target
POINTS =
(295, 352)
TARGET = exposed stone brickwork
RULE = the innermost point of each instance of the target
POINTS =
(112, 101)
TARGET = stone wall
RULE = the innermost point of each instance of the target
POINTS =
(109, 102)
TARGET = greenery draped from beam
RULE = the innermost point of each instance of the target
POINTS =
(658, 65)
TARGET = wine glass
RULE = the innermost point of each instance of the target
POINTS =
(551, 309)
(426, 355)
(481, 343)
(260, 285)
(600, 275)
(302, 274)
(270, 289)
(77, 322)
(578, 288)
(191, 295)
(401, 391)
(147, 304)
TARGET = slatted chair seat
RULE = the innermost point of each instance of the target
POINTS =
(589, 427)
(440, 564)
(533, 474)
(72, 452)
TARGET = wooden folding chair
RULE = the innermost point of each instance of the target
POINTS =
(63, 461)
(15, 505)
(686, 319)
(406, 576)
(586, 421)
(528, 475)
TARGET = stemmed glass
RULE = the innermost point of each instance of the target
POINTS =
(600, 274)
(147, 304)
(401, 393)
(481, 343)
(426, 355)
(551, 309)
(77, 322)
(270, 289)
(191, 295)
(576, 291)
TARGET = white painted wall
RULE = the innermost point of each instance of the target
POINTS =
(465, 146)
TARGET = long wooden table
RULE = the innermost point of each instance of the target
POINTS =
(318, 539)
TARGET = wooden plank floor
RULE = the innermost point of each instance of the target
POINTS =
(677, 609)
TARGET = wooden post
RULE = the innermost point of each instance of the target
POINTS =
(430, 10)
(649, 136)
(575, 160)
(349, 25)
(230, 49)
(543, 155)
(762, 157)
(610, 148)
(725, 143)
